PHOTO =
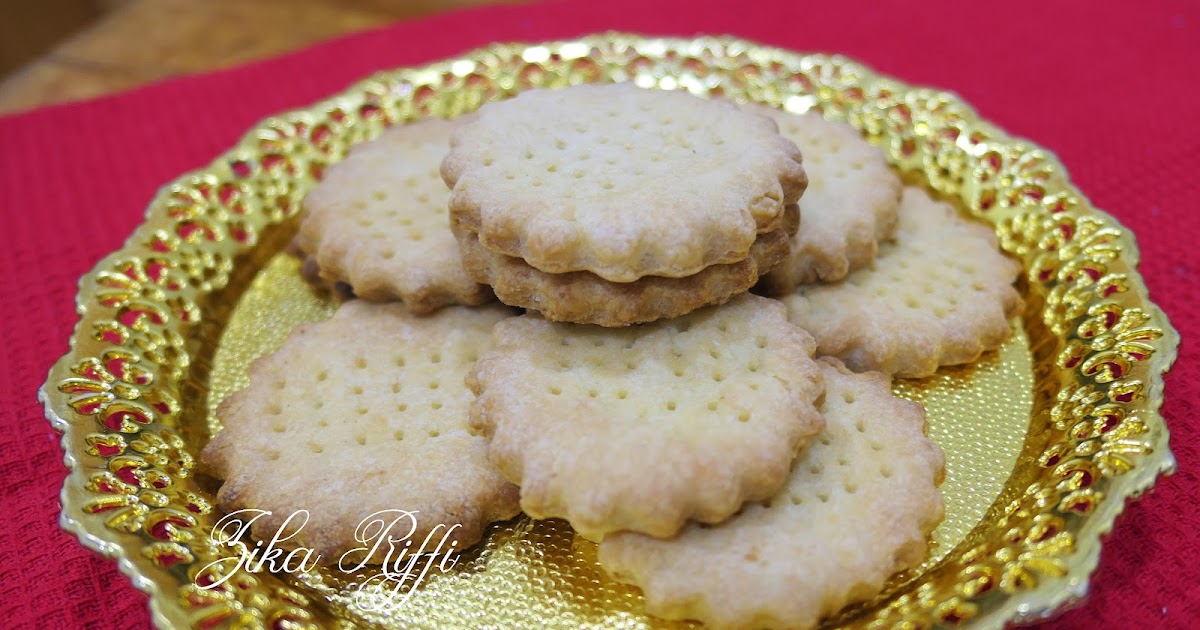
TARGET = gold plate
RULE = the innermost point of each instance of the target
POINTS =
(1045, 439)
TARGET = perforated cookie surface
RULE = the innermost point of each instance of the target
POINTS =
(641, 428)
(364, 412)
(848, 208)
(940, 294)
(856, 508)
(379, 222)
(620, 181)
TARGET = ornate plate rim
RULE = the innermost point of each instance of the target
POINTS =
(1034, 605)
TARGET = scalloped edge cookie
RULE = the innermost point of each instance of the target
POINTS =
(857, 507)
(940, 294)
(620, 181)
(848, 208)
(584, 298)
(645, 427)
(379, 222)
(341, 425)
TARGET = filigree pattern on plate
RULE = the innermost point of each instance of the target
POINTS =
(130, 396)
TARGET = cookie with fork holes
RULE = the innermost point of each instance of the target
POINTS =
(940, 294)
(620, 181)
(378, 221)
(848, 208)
(642, 428)
(361, 413)
(857, 507)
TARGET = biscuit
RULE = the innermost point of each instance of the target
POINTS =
(856, 508)
(941, 294)
(361, 413)
(848, 208)
(378, 221)
(584, 298)
(620, 181)
(642, 428)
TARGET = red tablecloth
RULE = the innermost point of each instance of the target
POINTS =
(1111, 87)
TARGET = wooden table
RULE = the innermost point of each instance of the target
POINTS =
(146, 40)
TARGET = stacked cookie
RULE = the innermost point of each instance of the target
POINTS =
(693, 429)
(615, 205)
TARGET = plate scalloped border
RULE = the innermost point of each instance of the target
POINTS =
(129, 493)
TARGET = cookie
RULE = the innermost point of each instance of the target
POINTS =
(364, 412)
(620, 181)
(584, 298)
(848, 208)
(642, 428)
(378, 221)
(857, 508)
(940, 294)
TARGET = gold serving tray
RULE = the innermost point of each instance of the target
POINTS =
(1045, 439)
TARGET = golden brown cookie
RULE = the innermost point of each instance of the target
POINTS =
(848, 208)
(362, 413)
(584, 298)
(620, 181)
(378, 221)
(644, 427)
(941, 294)
(857, 507)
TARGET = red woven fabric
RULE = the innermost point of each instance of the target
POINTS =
(1111, 87)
